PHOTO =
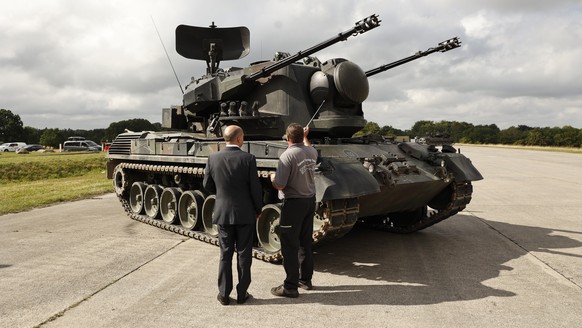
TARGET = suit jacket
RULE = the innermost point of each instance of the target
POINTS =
(231, 174)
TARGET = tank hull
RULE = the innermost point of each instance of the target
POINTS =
(398, 187)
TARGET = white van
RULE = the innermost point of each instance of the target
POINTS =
(11, 146)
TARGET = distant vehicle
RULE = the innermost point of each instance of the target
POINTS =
(436, 139)
(81, 145)
(75, 138)
(32, 147)
(11, 146)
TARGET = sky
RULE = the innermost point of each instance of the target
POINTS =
(83, 64)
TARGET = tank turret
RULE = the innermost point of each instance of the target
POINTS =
(266, 96)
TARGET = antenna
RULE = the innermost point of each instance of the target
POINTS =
(317, 111)
(168, 56)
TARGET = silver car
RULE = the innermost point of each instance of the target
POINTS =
(81, 145)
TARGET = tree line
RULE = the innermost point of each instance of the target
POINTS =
(463, 132)
(12, 130)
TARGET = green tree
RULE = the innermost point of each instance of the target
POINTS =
(535, 137)
(387, 130)
(369, 128)
(567, 136)
(482, 134)
(422, 129)
(136, 124)
(31, 135)
(10, 126)
(514, 135)
(51, 138)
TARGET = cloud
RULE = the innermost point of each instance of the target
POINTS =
(85, 64)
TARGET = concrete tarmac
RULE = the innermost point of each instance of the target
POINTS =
(513, 258)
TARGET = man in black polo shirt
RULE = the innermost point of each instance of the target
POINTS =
(295, 182)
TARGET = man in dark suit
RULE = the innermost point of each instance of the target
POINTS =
(232, 175)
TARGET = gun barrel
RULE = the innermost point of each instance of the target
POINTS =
(442, 47)
(360, 27)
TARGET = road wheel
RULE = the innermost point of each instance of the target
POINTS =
(207, 210)
(151, 199)
(190, 209)
(169, 204)
(268, 228)
(136, 197)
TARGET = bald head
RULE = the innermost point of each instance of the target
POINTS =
(232, 134)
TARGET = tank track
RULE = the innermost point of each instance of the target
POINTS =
(460, 197)
(198, 235)
(336, 217)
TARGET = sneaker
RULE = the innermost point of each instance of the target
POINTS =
(281, 291)
(305, 284)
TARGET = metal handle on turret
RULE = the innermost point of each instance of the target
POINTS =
(360, 27)
(442, 47)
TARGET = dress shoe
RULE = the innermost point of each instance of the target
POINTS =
(281, 291)
(223, 300)
(243, 299)
(305, 284)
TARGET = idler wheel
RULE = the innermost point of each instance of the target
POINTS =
(136, 197)
(151, 201)
(190, 209)
(119, 180)
(207, 210)
(268, 228)
(169, 204)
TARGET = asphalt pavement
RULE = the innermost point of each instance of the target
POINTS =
(513, 258)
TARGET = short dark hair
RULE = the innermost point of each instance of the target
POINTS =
(294, 133)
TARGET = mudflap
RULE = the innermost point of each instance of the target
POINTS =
(339, 178)
(461, 167)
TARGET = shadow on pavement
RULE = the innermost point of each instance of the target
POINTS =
(448, 262)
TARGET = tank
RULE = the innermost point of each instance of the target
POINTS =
(393, 186)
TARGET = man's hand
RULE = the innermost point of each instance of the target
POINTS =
(306, 141)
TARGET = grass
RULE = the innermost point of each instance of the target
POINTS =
(35, 180)
(42, 179)
(41, 166)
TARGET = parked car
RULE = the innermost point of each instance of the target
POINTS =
(32, 147)
(81, 145)
(11, 146)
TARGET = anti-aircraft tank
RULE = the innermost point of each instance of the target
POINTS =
(397, 187)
